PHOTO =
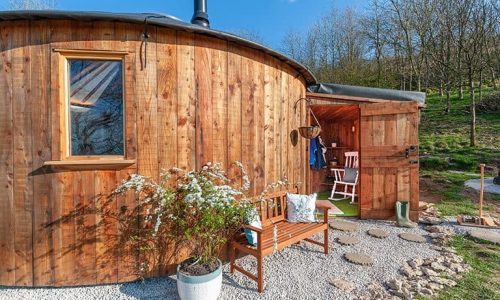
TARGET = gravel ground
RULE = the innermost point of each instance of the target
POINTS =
(297, 272)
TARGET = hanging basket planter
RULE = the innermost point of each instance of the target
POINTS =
(309, 132)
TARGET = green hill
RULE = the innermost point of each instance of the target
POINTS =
(444, 138)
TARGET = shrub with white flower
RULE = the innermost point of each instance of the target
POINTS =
(200, 209)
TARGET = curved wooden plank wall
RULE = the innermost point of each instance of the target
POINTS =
(199, 99)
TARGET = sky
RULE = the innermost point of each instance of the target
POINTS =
(269, 19)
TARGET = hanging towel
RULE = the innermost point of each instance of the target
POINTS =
(312, 152)
(317, 154)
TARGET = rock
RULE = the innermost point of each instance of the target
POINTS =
(438, 229)
(408, 272)
(397, 293)
(430, 220)
(490, 236)
(358, 258)
(457, 267)
(411, 237)
(442, 281)
(437, 267)
(407, 294)
(344, 226)
(448, 250)
(434, 286)
(427, 292)
(436, 235)
(450, 272)
(415, 263)
(378, 233)
(394, 284)
(342, 284)
(423, 282)
(428, 271)
(422, 205)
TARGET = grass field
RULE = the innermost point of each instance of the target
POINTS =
(446, 162)
(444, 138)
(444, 146)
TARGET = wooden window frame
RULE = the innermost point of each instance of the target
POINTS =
(63, 157)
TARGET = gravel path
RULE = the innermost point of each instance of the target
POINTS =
(298, 272)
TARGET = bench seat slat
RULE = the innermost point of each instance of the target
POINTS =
(286, 231)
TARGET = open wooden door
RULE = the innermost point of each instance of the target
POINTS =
(388, 158)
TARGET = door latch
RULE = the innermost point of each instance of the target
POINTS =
(412, 148)
(413, 162)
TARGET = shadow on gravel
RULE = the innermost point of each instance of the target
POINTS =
(155, 288)
(227, 279)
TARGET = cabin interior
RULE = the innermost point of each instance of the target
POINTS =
(340, 134)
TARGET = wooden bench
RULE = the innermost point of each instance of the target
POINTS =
(273, 213)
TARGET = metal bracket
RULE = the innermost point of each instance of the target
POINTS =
(409, 150)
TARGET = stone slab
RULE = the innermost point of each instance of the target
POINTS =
(486, 235)
(358, 258)
(378, 233)
(344, 225)
(348, 240)
(489, 186)
(411, 237)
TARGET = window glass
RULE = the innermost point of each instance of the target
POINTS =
(96, 107)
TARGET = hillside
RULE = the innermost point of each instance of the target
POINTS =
(447, 160)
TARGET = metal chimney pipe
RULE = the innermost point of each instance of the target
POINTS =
(200, 16)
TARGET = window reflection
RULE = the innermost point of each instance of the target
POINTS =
(96, 107)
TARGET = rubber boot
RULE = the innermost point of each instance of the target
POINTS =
(403, 215)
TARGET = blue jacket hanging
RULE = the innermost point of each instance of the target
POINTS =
(316, 154)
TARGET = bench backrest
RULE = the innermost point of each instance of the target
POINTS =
(273, 208)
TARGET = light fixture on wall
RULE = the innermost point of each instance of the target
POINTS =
(308, 132)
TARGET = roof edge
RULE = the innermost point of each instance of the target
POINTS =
(367, 92)
(157, 19)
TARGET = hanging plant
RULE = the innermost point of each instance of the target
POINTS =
(308, 132)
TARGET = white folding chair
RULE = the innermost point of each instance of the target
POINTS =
(352, 162)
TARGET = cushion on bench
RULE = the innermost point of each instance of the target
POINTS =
(301, 208)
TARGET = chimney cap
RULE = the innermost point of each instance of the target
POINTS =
(200, 15)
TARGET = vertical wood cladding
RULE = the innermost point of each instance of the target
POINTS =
(189, 99)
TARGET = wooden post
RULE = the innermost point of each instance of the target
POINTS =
(481, 191)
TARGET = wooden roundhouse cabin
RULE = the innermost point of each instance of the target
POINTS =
(88, 98)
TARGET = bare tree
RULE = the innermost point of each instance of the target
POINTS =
(406, 44)
(374, 29)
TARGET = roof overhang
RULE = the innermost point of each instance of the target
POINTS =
(350, 94)
(154, 19)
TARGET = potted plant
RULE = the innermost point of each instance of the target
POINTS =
(202, 209)
(211, 212)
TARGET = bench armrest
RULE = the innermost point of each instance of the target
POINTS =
(258, 230)
(325, 205)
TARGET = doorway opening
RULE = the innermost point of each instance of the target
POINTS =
(340, 136)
